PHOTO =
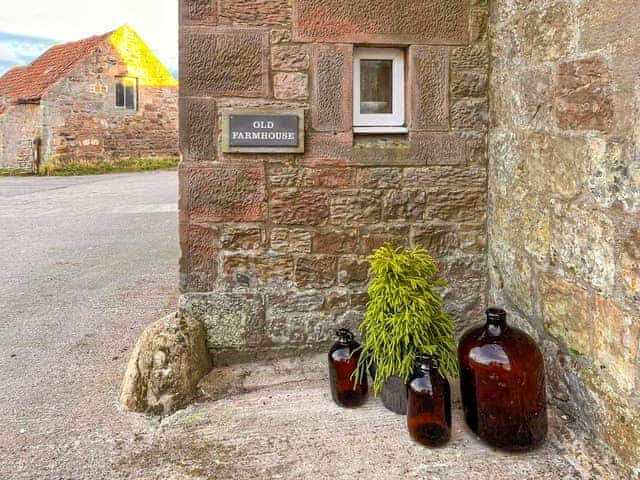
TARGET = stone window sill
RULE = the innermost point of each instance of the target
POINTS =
(380, 130)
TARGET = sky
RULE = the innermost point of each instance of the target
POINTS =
(32, 23)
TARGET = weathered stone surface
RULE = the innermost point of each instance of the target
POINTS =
(234, 237)
(278, 35)
(335, 177)
(379, 177)
(198, 132)
(583, 241)
(229, 193)
(204, 245)
(291, 177)
(198, 12)
(469, 84)
(470, 114)
(353, 270)
(429, 87)
(299, 207)
(255, 13)
(289, 58)
(294, 241)
(472, 57)
(404, 205)
(548, 34)
(335, 241)
(439, 148)
(332, 97)
(231, 320)
(439, 240)
(583, 97)
(224, 62)
(256, 270)
(296, 301)
(615, 177)
(316, 271)
(350, 207)
(479, 25)
(291, 86)
(165, 367)
(382, 21)
(567, 312)
(630, 263)
(373, 237)
(616, 342)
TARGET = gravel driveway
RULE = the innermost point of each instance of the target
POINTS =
(86, 263)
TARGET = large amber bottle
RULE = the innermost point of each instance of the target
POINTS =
(343, 362)
(429, 404)
(503, 384)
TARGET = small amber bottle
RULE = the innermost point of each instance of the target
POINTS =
(429, 404)
(343, 362)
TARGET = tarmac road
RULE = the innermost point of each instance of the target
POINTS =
(85, 264)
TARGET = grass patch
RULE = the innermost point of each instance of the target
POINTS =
(15, 172)
(68, 169)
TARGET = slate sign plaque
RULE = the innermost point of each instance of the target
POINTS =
(263, 130)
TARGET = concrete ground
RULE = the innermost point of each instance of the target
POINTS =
(86, 264)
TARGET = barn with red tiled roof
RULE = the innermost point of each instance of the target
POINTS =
(104, 98)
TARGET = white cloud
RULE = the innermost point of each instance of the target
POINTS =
(66, 20)
(8, 55)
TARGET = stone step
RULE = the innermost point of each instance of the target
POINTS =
(282, 424)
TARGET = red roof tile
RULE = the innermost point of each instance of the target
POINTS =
(33, 81)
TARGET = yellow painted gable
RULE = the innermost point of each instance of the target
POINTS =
(141, 62)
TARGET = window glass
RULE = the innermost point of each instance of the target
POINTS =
(130, 97)
(119, 94)
(376, 86)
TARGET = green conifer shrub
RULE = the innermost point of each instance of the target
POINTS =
(404, 316)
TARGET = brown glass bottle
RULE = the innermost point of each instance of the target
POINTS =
(343, 362)
(429, 404)
(503, 384)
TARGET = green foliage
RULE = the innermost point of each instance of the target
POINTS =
(15, 172)
(404, 316)
(66, 169)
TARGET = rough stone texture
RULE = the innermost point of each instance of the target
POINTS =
(583, 98)
(293, 230)
(166, 365)
(429, 87)
(564, 190)
(199, 12)
(291, 86)
(382, 21)
(224, 62)
(332, 99)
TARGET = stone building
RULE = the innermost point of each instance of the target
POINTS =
(104, 98)
(398, 142)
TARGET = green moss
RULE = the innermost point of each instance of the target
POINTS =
(67, 169)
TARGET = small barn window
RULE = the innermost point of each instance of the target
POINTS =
(378, 90)
(127, 93)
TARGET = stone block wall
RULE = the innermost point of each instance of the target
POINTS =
(564, 209)
(81, 122)
(274, 247)
(19, 128)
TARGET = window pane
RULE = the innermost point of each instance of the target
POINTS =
(131, 99)
(119, 95)
(376, 86)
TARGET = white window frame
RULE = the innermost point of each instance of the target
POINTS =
(380, 122)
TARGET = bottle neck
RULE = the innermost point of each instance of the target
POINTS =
(345, 337)
(496, 321)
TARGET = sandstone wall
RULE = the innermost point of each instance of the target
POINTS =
(19, 128)
(564, 223)
(274, 248)
(81, 122)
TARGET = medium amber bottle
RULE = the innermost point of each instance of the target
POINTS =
(429, 404)
(343, 362)
(503, 384)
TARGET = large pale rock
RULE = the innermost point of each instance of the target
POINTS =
(166, 365)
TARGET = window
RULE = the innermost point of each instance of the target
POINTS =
(127, 93)
(378, 90)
